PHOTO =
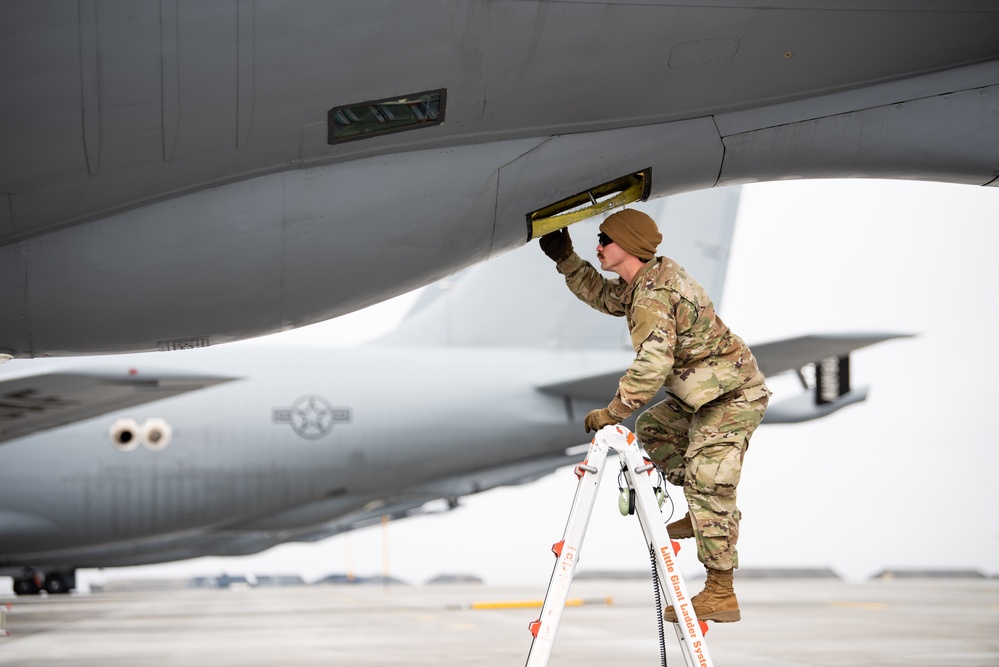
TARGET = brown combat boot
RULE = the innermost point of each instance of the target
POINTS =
(681, 528)
(717, 602)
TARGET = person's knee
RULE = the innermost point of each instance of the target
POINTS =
(715, 470)
(659, 445)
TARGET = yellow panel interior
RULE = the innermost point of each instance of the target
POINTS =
(596, 200)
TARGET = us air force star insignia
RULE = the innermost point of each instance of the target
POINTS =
(311, 417)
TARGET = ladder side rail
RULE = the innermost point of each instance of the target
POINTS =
(567, 555)
(665, 584)
(670, 579)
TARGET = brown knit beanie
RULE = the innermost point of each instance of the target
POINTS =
(634, 231)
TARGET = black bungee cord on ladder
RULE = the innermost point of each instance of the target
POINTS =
(659, 607)
(626, 503)
(660, 489)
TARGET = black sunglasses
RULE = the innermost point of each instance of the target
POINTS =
(604, 239)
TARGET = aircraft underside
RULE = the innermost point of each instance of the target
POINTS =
(176, 176)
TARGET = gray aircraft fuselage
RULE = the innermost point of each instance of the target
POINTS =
(166, 180)
(295, 444)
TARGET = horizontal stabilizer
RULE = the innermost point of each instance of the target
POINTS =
(822, 363)
(592, 387)
(41, 402)
(825, 357)
(792, 354)
(803, 407)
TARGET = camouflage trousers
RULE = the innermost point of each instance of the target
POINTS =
(702, 451)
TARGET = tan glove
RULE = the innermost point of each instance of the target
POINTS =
(597, 419)
(557, 245)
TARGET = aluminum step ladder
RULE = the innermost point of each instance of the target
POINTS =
(636, 471)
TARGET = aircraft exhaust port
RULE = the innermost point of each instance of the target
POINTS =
(157, 434)
(125, 434)
(599, 199)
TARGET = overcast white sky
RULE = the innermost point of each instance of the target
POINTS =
(907, 479)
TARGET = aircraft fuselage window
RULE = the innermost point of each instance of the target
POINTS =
(394, 114)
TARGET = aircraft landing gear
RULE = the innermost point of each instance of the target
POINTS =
(27, 585)
(54, 583)
(59, 582)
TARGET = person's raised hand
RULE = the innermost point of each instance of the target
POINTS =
(557, 245)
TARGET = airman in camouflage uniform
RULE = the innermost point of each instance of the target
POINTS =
(716, 395)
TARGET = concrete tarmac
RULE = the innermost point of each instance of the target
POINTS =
(786, 623)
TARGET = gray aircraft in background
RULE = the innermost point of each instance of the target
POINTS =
(180, 173)
(135, 459)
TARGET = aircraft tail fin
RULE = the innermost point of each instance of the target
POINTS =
(520, 300)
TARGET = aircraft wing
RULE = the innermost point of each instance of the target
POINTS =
(39, 402)
(830, 384)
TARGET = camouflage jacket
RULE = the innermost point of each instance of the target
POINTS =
(680, 343)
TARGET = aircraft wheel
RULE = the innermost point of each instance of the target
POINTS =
(26, 586)
(55, 584)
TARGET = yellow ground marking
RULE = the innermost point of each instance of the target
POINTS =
(528, 604)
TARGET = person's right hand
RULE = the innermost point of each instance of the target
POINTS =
(557, 244)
